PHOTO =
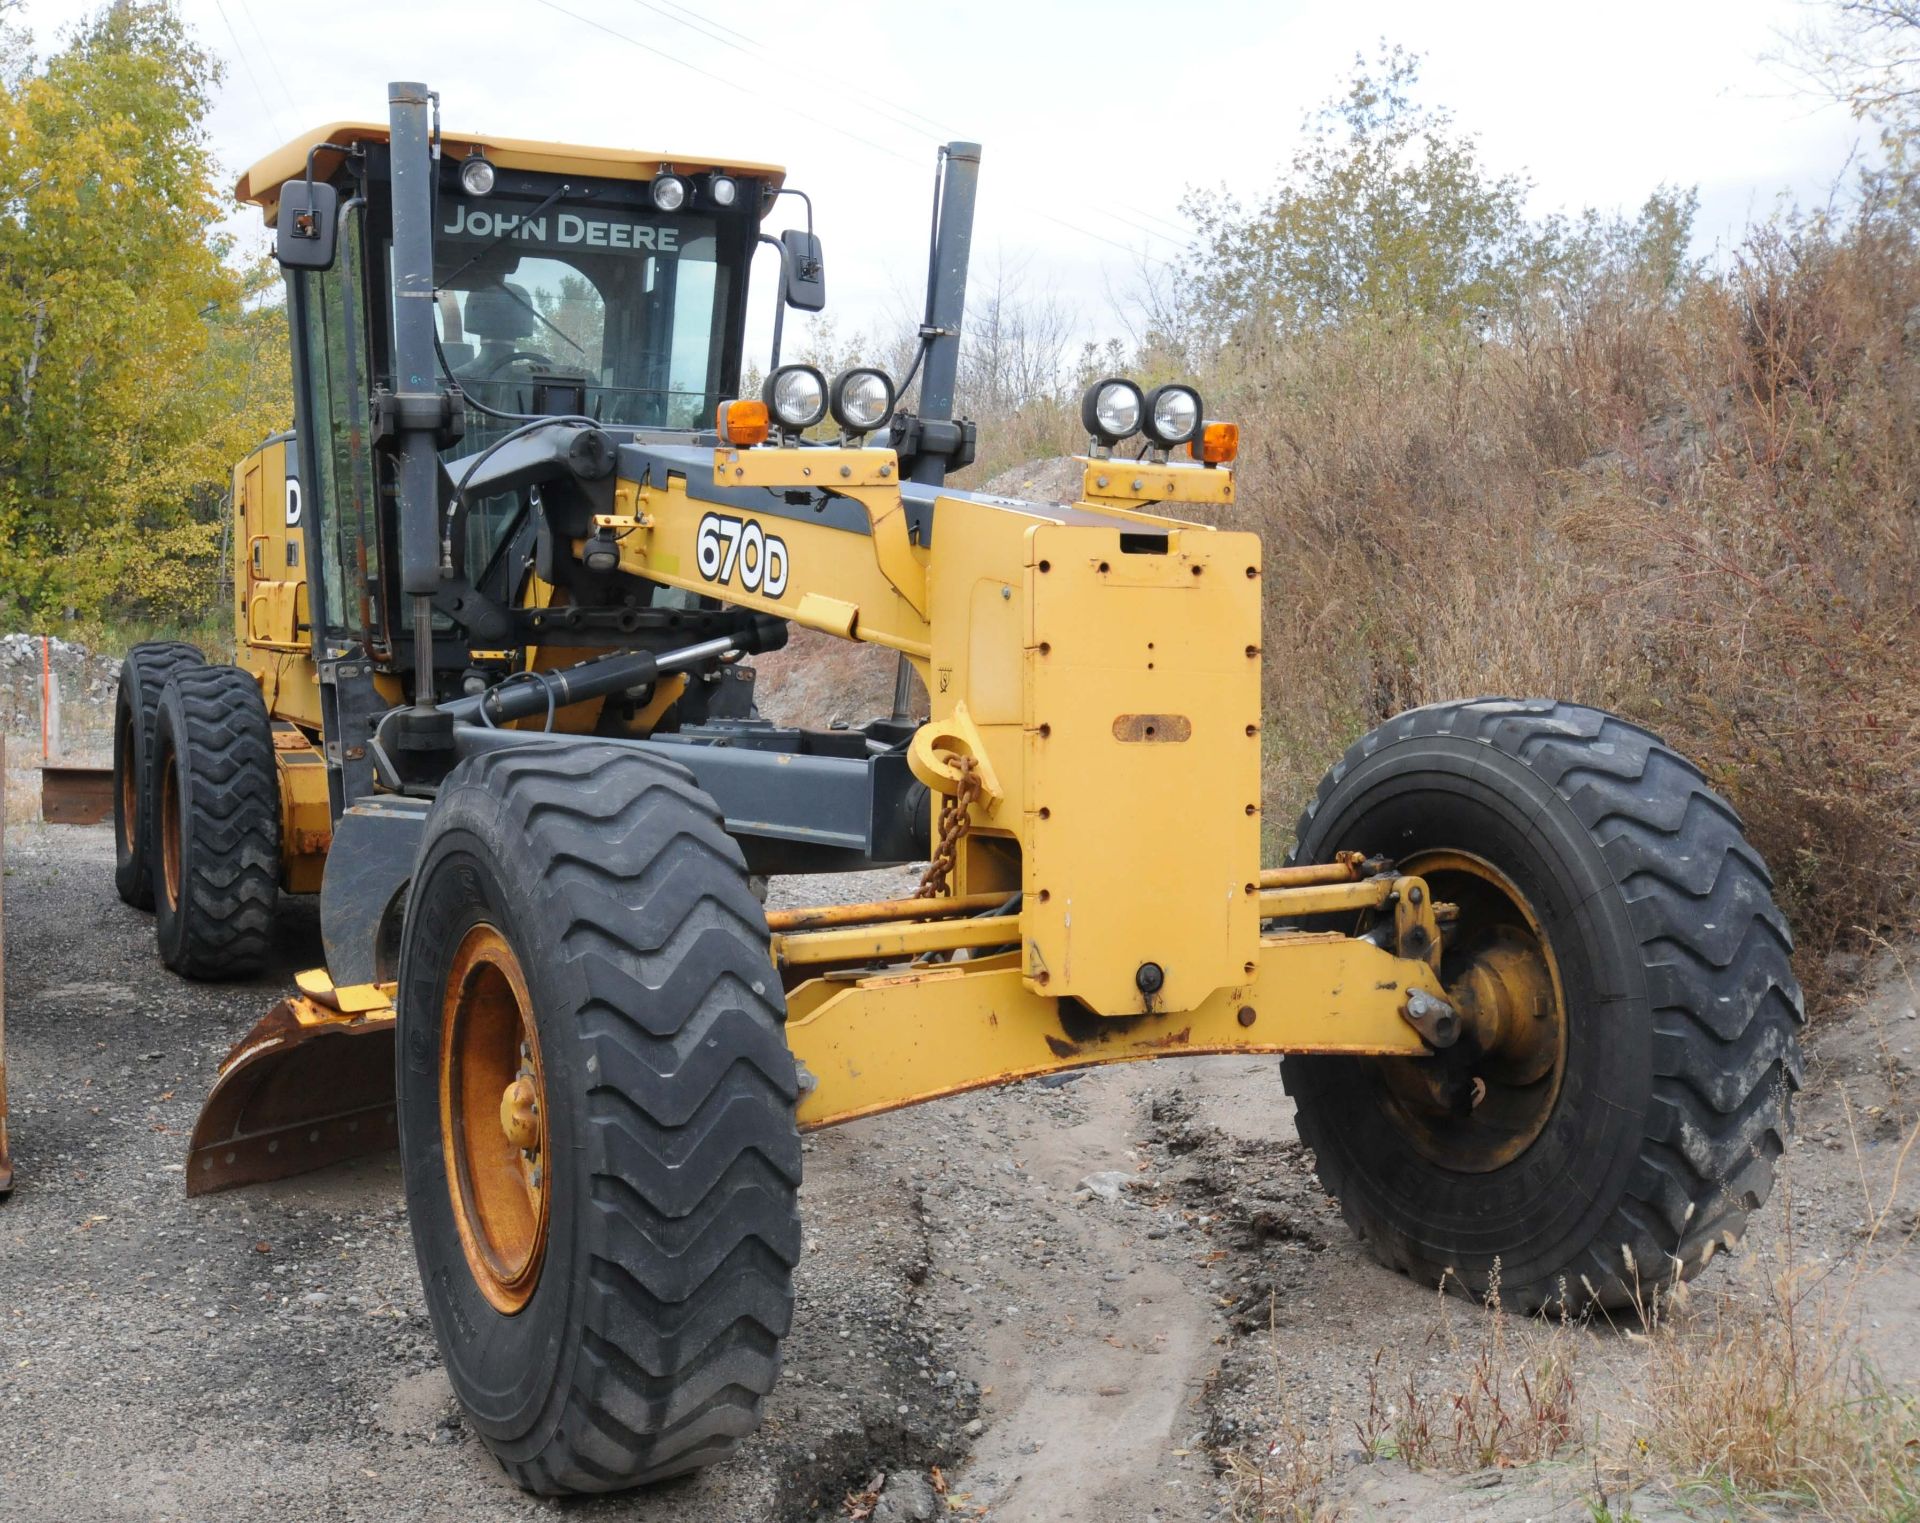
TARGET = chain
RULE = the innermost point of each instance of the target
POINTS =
(954, 820)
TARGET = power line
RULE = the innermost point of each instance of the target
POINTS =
(273, 117)
(831, 126)
(897, 113)
(721, 79)
(266, 48)
(745, 43)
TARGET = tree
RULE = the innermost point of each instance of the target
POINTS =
(1387, 210)
(1865, 55)
(138, 356)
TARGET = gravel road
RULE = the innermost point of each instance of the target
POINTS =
(1069, 1297)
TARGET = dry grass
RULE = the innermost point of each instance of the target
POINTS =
(1693, 508)
(1763, 1389)
(1510, 1399)
(1759, 1394)
(1503, 1395)
(1287, 1481)
(1696, 514)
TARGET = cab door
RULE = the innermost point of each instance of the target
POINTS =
(339, 506)
(272, 585)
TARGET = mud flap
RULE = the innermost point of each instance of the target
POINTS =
(310, 1085)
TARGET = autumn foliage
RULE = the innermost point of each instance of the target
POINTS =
(139, 358)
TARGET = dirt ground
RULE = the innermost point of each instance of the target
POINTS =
(1073, 1298)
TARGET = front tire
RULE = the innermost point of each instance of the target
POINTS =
(1639, 1130)
(607, 1247)
(136, 708)
(216, 867)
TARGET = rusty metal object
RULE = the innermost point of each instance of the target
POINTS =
(1481, 1102)
(1155, 728)
(307, 1087)
(493, 1119)
(892, 943)
(1437, 1022)
(955, 819)
(75, 795)
(1345, 868)
(824, 917)
(1340, 896)
(1506, 996)
(1416, 923)
(6, 1158)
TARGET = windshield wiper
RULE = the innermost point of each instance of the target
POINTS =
(502, 236)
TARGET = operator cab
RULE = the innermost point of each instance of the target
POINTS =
(550, 291)
(570, 281)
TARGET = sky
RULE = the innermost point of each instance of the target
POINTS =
(1095, 118)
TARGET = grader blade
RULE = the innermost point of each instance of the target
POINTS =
(310, 1085)
(71, 795)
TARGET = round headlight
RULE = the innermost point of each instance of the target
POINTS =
(861, 399)
(669, 192)
(723, 190)
(1172, 415)
(796, 395)
(476, 176)
(1111, 410)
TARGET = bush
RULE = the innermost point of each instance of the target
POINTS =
(1698, 513)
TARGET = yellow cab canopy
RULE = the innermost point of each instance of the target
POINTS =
(261, 184)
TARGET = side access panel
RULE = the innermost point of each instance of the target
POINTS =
(1142, 778)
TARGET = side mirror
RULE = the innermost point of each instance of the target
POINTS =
(308, 230)
(806, 274)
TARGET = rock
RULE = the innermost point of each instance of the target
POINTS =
(975, 1428)
(908, 1497)
(1107, 1184)
(1061, 479)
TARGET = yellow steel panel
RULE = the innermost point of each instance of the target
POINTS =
(306, 822)
(1140, 852)
(272, 612)
(1136, 481)
(996, 636)
(885, 1042)
(818, 571)
(797, 467)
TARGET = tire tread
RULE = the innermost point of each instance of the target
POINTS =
(1717, 952)
(694, 1154)
(223, 926)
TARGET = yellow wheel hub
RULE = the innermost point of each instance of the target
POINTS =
(170, 869)
(1481, 1104)
(493, 1119)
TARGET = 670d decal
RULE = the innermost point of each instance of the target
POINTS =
(738, 549)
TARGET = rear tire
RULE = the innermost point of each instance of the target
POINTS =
(143, 677)
(216, 857)
(661, 1186)
(1680, 1010)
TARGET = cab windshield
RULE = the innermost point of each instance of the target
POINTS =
(632, 303)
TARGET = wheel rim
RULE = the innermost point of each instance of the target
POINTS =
(493, 1118)
(170, 834)
(1478, 1107)
(129, 789)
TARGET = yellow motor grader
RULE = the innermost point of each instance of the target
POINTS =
(495, 598)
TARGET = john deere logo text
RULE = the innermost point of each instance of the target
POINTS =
(560, 229)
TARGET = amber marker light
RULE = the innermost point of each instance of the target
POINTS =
(1215, 444)
(742, 423)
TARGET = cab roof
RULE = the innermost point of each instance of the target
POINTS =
(261, 184)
